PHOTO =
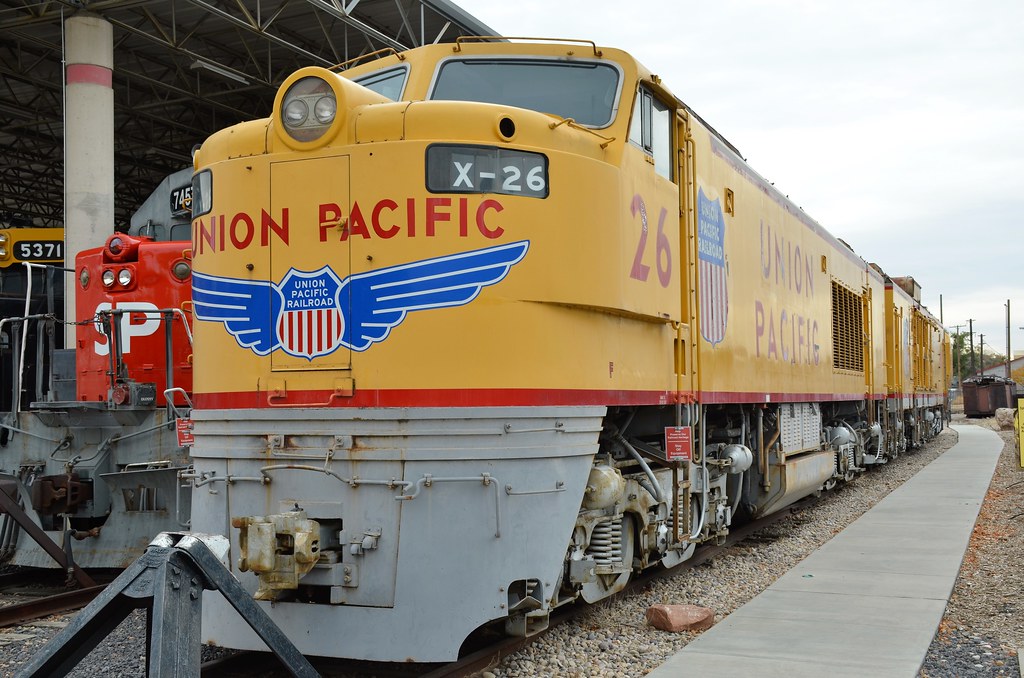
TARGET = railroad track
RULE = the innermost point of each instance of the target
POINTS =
(38, 593)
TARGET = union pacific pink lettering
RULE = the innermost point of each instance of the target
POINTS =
(214, 232)
(793, 268)
(784, 333)
(794, 339)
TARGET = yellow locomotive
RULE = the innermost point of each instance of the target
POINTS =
(483, 328)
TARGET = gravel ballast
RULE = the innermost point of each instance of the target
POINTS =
(979, 635)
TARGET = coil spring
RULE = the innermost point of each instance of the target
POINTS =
(606, 542)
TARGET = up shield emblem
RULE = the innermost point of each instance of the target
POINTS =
(714, 292)
(310, 323)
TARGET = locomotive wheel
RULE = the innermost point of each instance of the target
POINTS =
(673, 558)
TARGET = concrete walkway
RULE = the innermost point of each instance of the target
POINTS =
(869, 601)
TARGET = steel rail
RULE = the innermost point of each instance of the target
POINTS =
(19, 613)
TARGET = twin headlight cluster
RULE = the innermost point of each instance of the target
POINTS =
(124, 277)
(108, 277)
(313, 104)
(308, 108)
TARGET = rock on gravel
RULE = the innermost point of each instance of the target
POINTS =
(676, 618)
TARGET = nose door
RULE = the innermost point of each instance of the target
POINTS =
(311, 265)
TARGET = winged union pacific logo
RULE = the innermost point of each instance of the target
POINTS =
(308, 316)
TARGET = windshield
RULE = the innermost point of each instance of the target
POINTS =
(584, 91)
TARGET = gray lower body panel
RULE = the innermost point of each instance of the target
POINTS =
(465, 502)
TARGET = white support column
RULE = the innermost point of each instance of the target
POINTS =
(88, 145)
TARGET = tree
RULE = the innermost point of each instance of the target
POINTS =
(962, 357)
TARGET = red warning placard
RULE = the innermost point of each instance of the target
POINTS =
(678, 443)
(184, 430)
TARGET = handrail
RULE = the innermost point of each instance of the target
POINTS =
(380, 54)
(508, 38)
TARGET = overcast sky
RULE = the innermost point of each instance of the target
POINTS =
(898, 125)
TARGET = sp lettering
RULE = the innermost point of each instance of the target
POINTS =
(139, 319)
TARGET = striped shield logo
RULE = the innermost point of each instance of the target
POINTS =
(311, 323)
(714, 292)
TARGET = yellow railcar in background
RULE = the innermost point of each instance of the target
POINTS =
(484, 328)
(33, 245)
(28, 290)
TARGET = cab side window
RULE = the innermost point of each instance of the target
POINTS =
(389, 83)
(650, 129)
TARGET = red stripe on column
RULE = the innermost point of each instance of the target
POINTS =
(90, 74)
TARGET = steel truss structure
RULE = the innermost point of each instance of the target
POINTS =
(182, 69)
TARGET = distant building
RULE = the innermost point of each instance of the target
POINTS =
(1016, 370)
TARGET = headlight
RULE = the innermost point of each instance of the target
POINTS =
(3, 251)
(83, 278)
(325, 109)
(309, 93)
(108, 278)
(124, 276)
(295, 113)
(115, 245)
(3, 238)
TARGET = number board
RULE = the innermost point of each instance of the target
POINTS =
(39, 250)
(486, 169)
(181, 200)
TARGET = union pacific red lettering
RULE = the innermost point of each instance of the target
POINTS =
(433, 215)
(386, 218)
(268, 224)
(481, 221)
(215, 232)
(356, 224)
(330, 216)
(249, 232)
(390, 205)
(463, 217)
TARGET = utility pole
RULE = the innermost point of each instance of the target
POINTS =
(981, 354)
(970, 325)
(1007, 338)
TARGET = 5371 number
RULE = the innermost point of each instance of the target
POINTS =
(39, 250)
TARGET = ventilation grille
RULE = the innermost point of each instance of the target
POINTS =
(847, 334)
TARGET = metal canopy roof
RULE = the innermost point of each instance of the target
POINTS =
(182, 70)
